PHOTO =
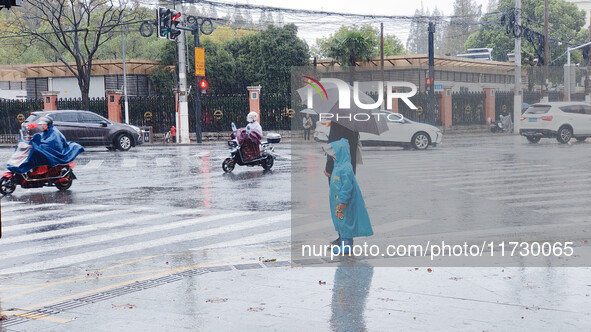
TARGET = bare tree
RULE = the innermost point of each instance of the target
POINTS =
(74, 30)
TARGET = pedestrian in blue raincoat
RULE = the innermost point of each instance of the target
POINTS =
(349, 215)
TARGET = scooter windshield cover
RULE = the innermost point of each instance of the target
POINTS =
(49, 148)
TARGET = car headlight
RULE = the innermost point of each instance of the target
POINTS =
(137, 129)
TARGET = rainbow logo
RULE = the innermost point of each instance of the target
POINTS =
(311, 81)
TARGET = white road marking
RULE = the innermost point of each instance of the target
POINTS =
(30, 207)
(75, 230)
(162, 162)
(193, 236)
(93, 164)
(129, 163)
(70, 219)
(254, 239)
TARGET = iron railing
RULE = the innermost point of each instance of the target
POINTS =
(468, 108)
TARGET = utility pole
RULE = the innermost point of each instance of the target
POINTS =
(124, 70)
(184, 106)
(431, 96)
(381, 54)
(588, 81)
(546, 55)
(517, 97)
(198, 115)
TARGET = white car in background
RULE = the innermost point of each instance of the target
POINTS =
(401, 132)
(560, 120)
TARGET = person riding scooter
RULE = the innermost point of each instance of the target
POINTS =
(49, 148)
(250, 137)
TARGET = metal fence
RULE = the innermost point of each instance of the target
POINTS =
(468, 108)
(14, 112)
(421, 114)
(531, 97)
(503, 104)
(218, 111)
(96, 105)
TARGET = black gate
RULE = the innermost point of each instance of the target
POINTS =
(468, 108)
(219, 111)
(503, 104)
(14, 112)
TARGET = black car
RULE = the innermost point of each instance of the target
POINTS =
(87, 129)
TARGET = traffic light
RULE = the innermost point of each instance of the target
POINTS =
(174, 21)
(203, 85)
(164, 22)
(429, 83)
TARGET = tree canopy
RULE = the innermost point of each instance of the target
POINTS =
(71, 30)
(350, 44)
(262, 57)
(565, 23)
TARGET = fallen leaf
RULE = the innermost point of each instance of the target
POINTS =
(416, 268)
(455, 278)
(3, 317)
(385, 299)
(429, 270)
(320, 282)
(269, 260)
(255, 309)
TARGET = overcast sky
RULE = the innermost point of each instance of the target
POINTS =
(311, 30)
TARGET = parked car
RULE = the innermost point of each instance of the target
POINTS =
(88, 129)
(401, 132)
(560, 120)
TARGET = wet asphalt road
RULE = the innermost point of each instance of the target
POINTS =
(159, 210)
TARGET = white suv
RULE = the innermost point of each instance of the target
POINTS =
(562, 120)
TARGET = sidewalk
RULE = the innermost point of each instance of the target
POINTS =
(253, 288)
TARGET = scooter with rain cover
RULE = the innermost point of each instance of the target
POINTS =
(266, 158)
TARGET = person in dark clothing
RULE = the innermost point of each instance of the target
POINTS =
(336, 133)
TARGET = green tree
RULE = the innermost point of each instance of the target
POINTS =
(72, 30)
(351, 44)
(464, 23)
(263, 57)
(266, 58)
(565, 23)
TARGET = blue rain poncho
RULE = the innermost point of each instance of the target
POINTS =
(48, 148)
(344, 189)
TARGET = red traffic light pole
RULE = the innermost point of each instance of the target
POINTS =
(168, 27)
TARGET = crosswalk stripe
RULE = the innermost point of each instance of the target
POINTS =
(162, 162)
(11, 203)
(74, 230)
(259, 238)
(192, 236)
(553, 201)
(40, 206)
(93, 164)
(565, 210)
(517, 173)
(29, 215)
(70, 219)
(129, 163)
(507, 177)
(539, 195)
(554, 186)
